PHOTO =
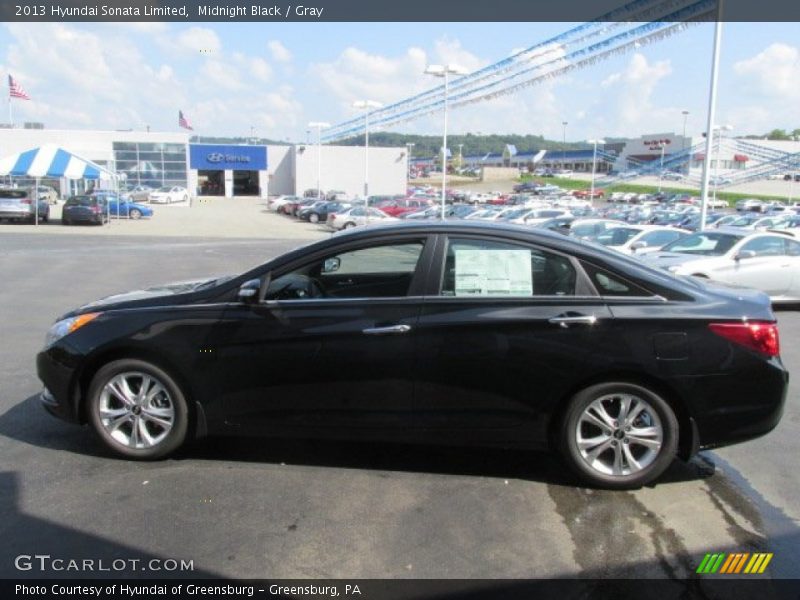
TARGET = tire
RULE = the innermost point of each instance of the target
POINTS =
(124, 425)
(349, 225)
(650, 458)
(313, 218)
(135, 214)
(65, 222)
(185, 197)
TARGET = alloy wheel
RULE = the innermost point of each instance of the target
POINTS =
(619, 434)
(136, 410)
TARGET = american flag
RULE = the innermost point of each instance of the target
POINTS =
(183, 121)
(15, 89)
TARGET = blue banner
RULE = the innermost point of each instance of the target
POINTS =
(227, 156)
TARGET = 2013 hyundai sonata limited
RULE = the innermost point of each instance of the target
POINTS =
(457, 333)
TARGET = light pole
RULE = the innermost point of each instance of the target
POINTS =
(594, 164)
(445, 71)
(564, 144)
(661, 169)
(409, 149)
(319, 126)
(685, 114)
(252, 134)
(718, 129)
(366, 105)
(712, 105)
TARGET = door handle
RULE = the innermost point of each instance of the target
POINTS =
(390, 330)
(566, 321)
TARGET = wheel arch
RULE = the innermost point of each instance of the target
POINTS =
(687, 429)
(94, 363)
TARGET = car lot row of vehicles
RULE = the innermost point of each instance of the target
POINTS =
(17, 205)
(164, 195)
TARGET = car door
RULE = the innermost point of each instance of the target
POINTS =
(503, 330)
(768, 268)
(332, 345)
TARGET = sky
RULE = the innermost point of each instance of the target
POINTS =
(272, 79)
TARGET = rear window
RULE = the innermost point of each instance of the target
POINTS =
(81, 201)
(15, 194)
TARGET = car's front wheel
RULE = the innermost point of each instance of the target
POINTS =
(135, 213)
(137, 409)
(619, 435)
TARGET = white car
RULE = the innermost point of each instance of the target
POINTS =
(356, 216)
(630, 239)
(589, 229)
(169, 194)
(276, 203)
(769, 262)
(672, 176)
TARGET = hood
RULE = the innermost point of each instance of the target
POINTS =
(176, 292)
(665, 260)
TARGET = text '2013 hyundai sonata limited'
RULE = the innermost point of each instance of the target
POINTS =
(456, 333)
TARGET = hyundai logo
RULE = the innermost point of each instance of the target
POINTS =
(215, 157)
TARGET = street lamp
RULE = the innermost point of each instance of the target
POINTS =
(445, 71)
(685, 114)
(661, 168)
(366, 105)
(594, 164)
(718, 129)
(564, 144)
(319, 126)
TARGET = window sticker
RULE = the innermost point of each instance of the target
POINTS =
(493, 272)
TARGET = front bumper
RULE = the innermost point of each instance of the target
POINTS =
(57, 397)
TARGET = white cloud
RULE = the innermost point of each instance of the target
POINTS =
(772, 72)
(199, 40)
(279, 52)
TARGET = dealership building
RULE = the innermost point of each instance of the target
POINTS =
(159, 159)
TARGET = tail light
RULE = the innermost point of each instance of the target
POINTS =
(332, 217)
(26, 201)
(761, 337)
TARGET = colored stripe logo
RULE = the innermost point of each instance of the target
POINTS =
(734, 563)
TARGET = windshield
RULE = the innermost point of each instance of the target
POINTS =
(81, 201)
(616, 236)
(13, 194)
(164, 189)
(705, 243)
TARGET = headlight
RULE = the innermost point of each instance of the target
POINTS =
(67, 326)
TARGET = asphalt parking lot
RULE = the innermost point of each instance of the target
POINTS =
(261, 508)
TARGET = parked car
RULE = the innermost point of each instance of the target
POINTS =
(588, 193)
(749, 205)
(48, 194)
(122, 207)
(630, 239)
(319, 211)
(588, 229)
(673, 176)
(790, 176)
(435, 333)
(84, 209)
(769, 262)
(17, 204)
(140, 193)
(399, 206)
(358, 215)
(169, 194)
(276, 203)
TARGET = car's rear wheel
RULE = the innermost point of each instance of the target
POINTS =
(313, 217)
(619, 435)
(137, 409)
(349, 225)
(135, 214)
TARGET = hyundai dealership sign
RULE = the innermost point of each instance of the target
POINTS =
(224, 157)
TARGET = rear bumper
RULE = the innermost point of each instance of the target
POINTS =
(729, 410)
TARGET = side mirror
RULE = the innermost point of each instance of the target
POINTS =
(638, 245)
(331, 265)
(744, 254)
(249, 291)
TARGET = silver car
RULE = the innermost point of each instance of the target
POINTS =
(17, 204)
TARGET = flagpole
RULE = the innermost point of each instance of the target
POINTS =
(10, 116)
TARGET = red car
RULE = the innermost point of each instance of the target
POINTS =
(588, 193)
(397, 208)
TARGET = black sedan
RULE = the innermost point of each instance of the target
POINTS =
(319, 211)
(443, 332)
